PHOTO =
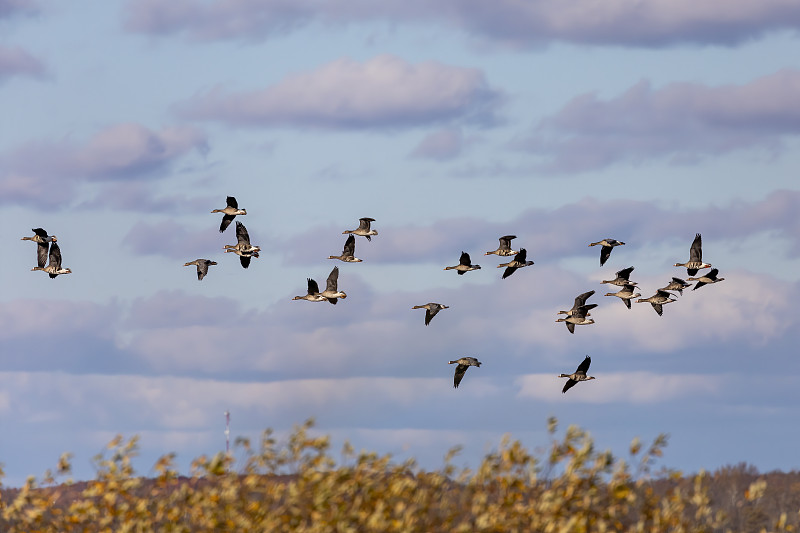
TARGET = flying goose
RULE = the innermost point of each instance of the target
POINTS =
(626, 293)
(677, 284)
(578, 317)
(331, 292)
(242, 248)
(710, 277)
(313, 294)
(607, 246)
(657, 300)
(229, 213)
(464, 264)
(363, 228)
(348, 252)
(695, 257)
(43, 240)
(622, 278)
(430, 310)
(54, 267)
(202, 266)
(519, 261)
(463, 364)
(578, 375)
(580, 300)
(505, 246)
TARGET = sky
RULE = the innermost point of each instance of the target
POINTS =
(451, 123)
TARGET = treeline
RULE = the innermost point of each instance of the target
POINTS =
(298, 486)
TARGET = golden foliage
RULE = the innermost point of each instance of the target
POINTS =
(300, 487)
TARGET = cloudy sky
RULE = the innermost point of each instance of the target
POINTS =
(451, 123)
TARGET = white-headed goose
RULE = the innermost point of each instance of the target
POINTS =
(54, 266)
(229, 213)
(430, 310)
(623, 278)
(626, 294)
(43, 240)
(463, 364)
(580, 300)
(505, 246)
(607, 246)
(695, 262)
(312, 295)
(202, 266)
(710, 277)
(578, 317)
(657, 300)
(243, 248)
(464, 264)
(363, 228)
(348, 252)
(677, 284)
(331, 292)
(578, 375)
(519, 261)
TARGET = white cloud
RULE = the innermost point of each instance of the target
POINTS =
(383, 92)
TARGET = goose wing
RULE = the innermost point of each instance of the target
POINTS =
(459, 375)
(625, 273)
(584, 366)
(55, 256)
(696, 251)
(40, 232)
(430, 312)
(231, 202)
(349, 246)
(508, 271)
(363, 223)
(465, 260)
(245, 260)
(605, 253)
(659, 308)
(581, 299)
(568, 385)
(522, 256)
(42, 253)
(242, 236)
(313, 288)
(712, 274)
(333, 280)
(505, 241)
(226, 221)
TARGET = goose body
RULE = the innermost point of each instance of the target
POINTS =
(695, 262)
(43, 240)
(331, 292)
(519, 261)
(229, 213)
(578, 375)
(623, 278)
(710, 277)
(54, 267)
(677, 284)
(505, 246)
(430, 310)
(658, 300)
(578, 317)
(607, 246)
(464, 264)
(463, 364)
(626, 294)
(202, 266)
(348, 252)
(363, 228)
(243, 248)
(312, 295)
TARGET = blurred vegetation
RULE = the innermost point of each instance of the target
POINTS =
(298, 486)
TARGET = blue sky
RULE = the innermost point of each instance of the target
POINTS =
(127, 122)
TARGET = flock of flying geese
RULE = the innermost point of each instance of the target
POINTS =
(48, 256)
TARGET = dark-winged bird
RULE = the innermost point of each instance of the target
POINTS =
(463, 364)
(202, 266)
(363, 228)
(695, 262)
(519, 261)
(430, 310)
(229, 213)
(464, 264)
(578, 375)
(607, 246)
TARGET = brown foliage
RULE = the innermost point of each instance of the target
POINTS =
(299, 487)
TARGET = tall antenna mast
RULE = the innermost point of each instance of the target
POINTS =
(227, 432)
